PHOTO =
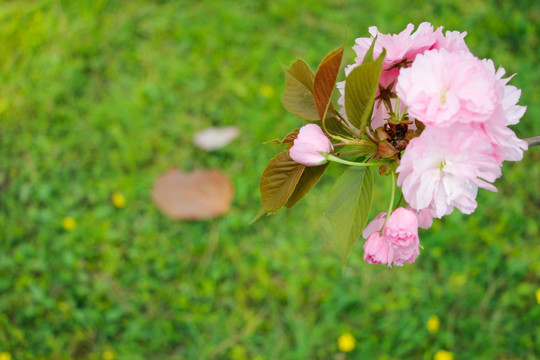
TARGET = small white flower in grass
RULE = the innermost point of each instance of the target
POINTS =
(214, 138)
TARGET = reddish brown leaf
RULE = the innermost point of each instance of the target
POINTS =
(288, 139)
(278, 182)
(325, 79)
(196, 195)
(308, 180)
(291, 136)
(298, 95)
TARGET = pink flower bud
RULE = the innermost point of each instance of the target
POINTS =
(308, 146)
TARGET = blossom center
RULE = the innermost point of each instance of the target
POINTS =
(443, 95)
(442, 165)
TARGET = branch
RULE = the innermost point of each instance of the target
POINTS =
(534, 141)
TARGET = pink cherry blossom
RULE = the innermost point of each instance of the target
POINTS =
(425, 218)
(340, 85)
(374, 225)
(398, 243)
(401, 232)
(442, 88)
(510, 96)
(401, 51)
(443, 168)
(451, 41)
(377, 250)
(309, 144)
(507, 144)
(400, 48)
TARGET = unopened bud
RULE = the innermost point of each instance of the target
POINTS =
(386, 150)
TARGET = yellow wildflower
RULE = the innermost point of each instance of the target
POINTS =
(346, 343)
(538, 296)
(443, 355)
(68, 223)
(108, 355)
(5, 356)
(118, 200)
(433, 324)
(267, 91)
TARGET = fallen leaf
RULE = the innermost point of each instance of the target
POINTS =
(214, 138)
(202, 194)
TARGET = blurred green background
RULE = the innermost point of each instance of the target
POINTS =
(98, 97)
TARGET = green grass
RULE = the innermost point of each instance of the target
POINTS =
(104, 96)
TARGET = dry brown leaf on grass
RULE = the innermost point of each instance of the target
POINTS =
(201, 194)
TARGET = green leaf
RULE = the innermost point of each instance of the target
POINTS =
(333, 126)
(349, 208)
(360, 89)
(278, 182)
(302, 72)
(298, 95)
(325, 80)
(308, 180)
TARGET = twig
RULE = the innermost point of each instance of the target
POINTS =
(534, 141)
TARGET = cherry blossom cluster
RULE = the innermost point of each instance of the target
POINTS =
(458, 108)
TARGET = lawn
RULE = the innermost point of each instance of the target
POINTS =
(99, 97)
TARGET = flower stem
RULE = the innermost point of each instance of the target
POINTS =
(350, 152)
(391, 205)
(371, 137)
(346, 162)
(399, 201)
(344, 123)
